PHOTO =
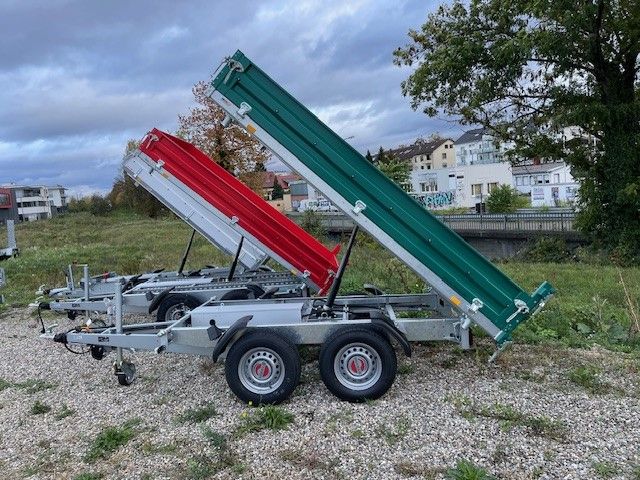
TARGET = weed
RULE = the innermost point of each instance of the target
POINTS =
(39, 408)
(201, 467)
(357, 434)
(450, 362)
(150, 449)
(214, 438)
(635, 473)
(408, 469)
(510, 417)
(88, 476)
(110, 439)
(331, 424)
(310, 459)
(64, 412)
(587, 378)
(405, 369)
(605, 469)
(35, 386)
(4, 384)
(268, 417)
(465, 470)
(392, 434)
(198, 415)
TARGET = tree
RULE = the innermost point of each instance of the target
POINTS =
(278, 192)
(394, 168)
(369, 157)
(525, 69)
(233, 148)
(125, 194)
(505, 199)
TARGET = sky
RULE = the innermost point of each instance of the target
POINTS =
(79, 78)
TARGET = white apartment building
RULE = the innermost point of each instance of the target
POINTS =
(37, 202)
(460, 186)
(549, 184)
(479, 147)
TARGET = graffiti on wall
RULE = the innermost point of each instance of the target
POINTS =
(436, 199)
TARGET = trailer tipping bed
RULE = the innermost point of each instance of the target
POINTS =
(473, 286)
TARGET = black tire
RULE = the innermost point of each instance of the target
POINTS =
(126, 374)
(373, 369)
(255, 353)
(172, 305)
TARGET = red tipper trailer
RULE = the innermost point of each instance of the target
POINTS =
(296, 249)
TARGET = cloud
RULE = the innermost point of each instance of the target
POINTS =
(78, 79)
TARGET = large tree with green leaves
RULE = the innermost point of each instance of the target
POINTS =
(525, 69)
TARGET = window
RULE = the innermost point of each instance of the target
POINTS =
(518, 181)
(428, 166)
(539, 179)
(476, 189)
(444, 155)
(421, 167)
(556, 178)
(428, 157)
(492, 186)
(546, 178)
(444, 165)
(431, 185)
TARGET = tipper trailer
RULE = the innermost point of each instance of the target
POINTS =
(259, 337)
(227, 213)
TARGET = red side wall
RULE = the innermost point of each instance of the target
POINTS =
(231, 197)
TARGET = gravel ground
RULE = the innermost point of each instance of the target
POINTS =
(521, 419)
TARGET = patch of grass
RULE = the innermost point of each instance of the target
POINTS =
(588, 378)
(540, 426)
(215, 439)
(393, 433)
(309, 459)
(198, 415)
(89, 476)
(40, 408)
(269, 417)
(357, 433)
(410, 469)
(4, 384)
(331, 425)
(34, 386)
(635, 473)
(405, 369)
(110, 439)
(605, 469)
(465, 470)
(149, 448)
(64, 412)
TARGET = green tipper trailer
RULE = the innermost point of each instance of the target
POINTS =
(473, 286)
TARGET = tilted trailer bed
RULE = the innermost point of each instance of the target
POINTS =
(227, 213)
(259, 337)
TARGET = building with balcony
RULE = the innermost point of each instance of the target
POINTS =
(36, 202)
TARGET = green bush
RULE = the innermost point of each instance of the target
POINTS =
(547, 249)
(505, 199)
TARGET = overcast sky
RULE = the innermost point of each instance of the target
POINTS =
(79, 78)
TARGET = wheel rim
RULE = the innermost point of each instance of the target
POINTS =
(176, 312)
(357, 366)
(261, 370)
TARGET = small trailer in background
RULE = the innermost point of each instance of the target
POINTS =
(225, 212)
(259, 337)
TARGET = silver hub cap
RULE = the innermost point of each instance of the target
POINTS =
(176, 312)
(357, 366)
(261, 370)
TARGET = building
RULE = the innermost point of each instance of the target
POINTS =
(459, 186)
(549, 184)
(283, 179)
(479, 147)
(39, 201)
(427, 154)
(8, 205)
